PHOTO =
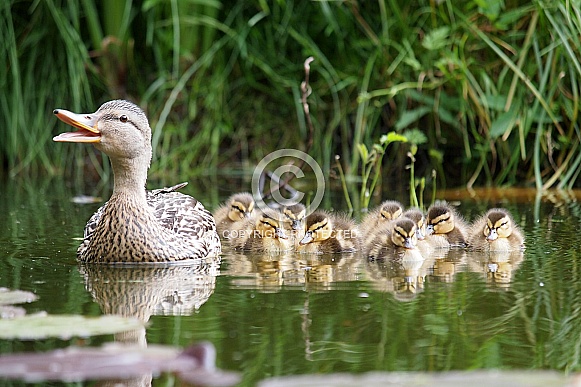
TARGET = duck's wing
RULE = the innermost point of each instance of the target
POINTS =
(90, 228)
(184, 215)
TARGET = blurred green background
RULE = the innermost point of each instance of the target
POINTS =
(487, 91)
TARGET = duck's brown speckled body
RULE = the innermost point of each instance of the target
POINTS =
(135, 226)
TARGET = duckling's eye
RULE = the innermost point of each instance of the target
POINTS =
(441, 221)
(123, 118)
(235, 207)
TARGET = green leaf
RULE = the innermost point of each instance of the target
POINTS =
(411, 116)
(415, 136)
(387, 139)
(503, 123)
(437, 38)
(363, 152)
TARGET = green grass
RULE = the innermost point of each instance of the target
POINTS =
(493, 86)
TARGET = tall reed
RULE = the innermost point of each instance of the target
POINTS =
(494, 87)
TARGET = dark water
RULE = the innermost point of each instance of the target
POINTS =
(301, 315)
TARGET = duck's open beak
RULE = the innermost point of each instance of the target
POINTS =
(86, 123)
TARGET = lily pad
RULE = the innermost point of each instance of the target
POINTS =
(117, 361)
(42, 326)
(11, 297)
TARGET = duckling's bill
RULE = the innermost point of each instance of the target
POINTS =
(308, 238)
(86, 123)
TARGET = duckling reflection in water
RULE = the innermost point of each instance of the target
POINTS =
(237, 207)
(262, 233)
(445, 227)
(496, 231)
(328, 233)
(402, 275)
(392, 239)
(497, 266)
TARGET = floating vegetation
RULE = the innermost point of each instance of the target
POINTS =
(195, 365)
(42, 326)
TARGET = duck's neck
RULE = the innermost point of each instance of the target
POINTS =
(130, 176)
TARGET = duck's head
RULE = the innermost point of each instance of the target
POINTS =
(241, 206)
(269, 225)
(498, 225)
(119, 128)
(404, 233)
(440, 220)
(418, 217)
(319, 228)
(390, 210)
(295, 214)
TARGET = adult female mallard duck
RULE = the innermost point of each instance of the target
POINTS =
(264, 232)
(445, 227)
(236, 208)
(129, 228)
(392, 239)
(328, 233)
(496, 231)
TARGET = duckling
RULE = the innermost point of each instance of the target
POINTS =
(496, 231)
(130, 228)
(445, 228)
(418, 217)
(328, 233)
(392, 239)
(264, 232)
(385, 212)
(295, 220)
(236, 208)
(295, 214)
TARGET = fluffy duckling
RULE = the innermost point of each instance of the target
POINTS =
(328, 233)
(387, 211)
(392, 239)
(264, 232)
(236, 208)
(496, 231)
(295, 214)
(445, 227)
(418, 217)
(295, 221)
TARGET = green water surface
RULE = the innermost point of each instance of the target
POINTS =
(270, 316)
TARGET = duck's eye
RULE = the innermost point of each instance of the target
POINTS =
(123, 118)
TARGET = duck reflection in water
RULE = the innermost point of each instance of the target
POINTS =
(142, 291)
